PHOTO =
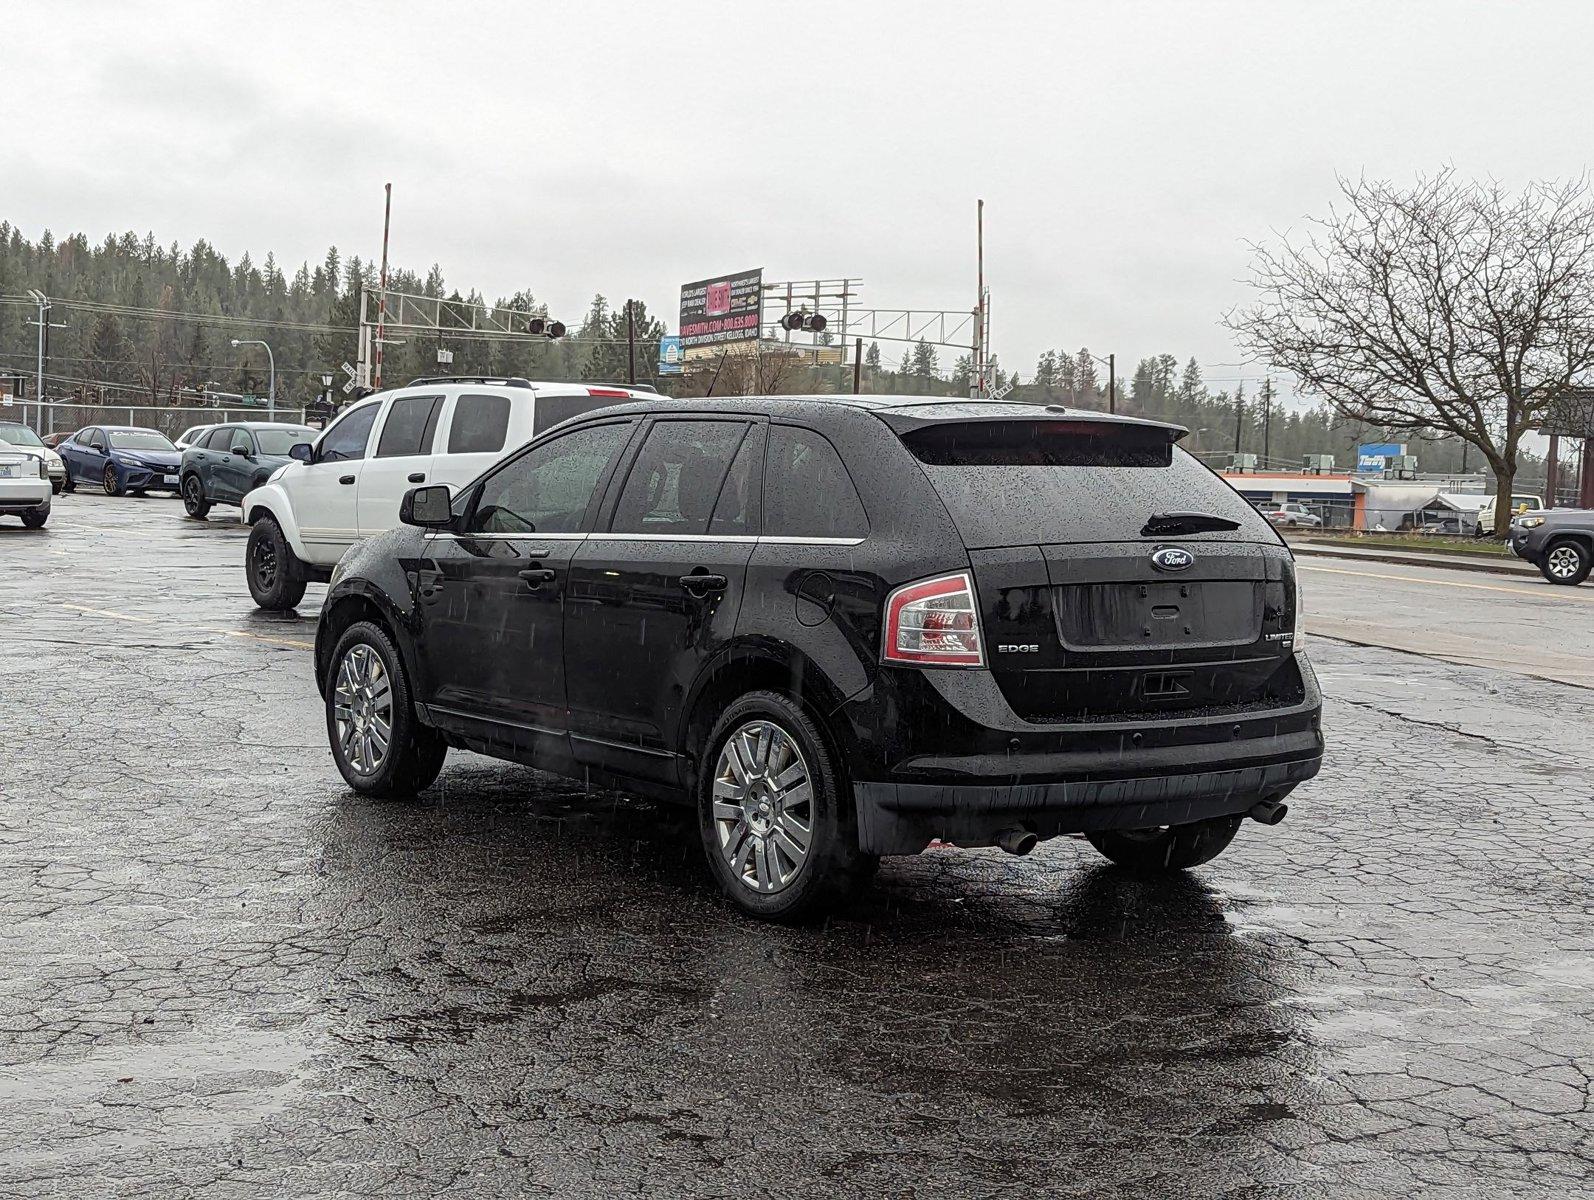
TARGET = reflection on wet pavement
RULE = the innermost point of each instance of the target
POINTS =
(225, 973)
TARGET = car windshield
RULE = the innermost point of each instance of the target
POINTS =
(139, 439)
(18, 435)
(280, 441)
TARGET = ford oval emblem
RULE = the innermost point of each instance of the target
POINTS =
(1172, 558)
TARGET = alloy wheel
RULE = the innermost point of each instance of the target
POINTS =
(362, 706)
(110, 480)
(1564, 562)
(265, 564)
(192, 495)
(763, 806)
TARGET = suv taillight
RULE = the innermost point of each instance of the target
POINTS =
(934, 623)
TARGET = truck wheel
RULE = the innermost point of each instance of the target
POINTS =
(777, 820)
(1169, 848)
(275, 574)
(194, 502)
(1566, 562)
(380, 746)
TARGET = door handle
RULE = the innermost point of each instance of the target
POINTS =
(346, 479)
(535, 577)
(702, 585)
(418, 477)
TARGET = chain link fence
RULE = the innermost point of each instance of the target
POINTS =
(56, 417)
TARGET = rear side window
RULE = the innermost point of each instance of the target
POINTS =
(807, 491)
(548, 411)
(675, 482)
(480, 425)
(1029, 482)
(409, 427)
(218, 439)
(736, 514)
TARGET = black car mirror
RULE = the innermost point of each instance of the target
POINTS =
(241, 450)
(428, 507)
(301, 451)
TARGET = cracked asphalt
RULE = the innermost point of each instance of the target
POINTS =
(224, 974)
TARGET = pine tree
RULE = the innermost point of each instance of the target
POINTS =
(1192, 389)
(1086, 391)
(924, 364)
(1045, 380)
(871, 357)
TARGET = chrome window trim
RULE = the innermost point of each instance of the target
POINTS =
(731, 539)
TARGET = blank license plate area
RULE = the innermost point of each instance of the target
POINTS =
(1095, 616)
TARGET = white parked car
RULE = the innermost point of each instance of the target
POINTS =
(18, 436)
(191, 436)
(349, 483)
(1291, 515)
(24, 485)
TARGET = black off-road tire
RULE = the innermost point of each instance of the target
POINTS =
(834, 869)
(1164, 851)
(415, 752)
(1566, 562)
(275, 575)
(194, 502)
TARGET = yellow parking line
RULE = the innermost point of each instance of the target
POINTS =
(1544, 593)
(237, 633)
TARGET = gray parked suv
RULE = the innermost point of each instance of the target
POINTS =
(1558, 541)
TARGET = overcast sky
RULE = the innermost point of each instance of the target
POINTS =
(1125, 151)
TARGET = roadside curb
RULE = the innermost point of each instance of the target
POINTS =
(1513, 566)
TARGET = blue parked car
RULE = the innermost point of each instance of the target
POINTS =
(120, 458)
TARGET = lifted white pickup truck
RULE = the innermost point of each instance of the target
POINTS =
(349, 483)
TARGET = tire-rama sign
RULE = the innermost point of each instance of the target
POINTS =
(727, 308)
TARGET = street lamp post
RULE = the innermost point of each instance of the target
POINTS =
(271, 387)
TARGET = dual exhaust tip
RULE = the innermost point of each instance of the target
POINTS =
(1018, 841)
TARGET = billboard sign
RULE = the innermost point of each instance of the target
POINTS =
(669, 355)
(1571, 414)
(1375, 456)
(727, 308)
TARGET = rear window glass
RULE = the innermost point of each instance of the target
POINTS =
(408, 428)
(548, 411)
(479, 426)
(1012, 483)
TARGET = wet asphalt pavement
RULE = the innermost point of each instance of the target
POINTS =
(223, 973)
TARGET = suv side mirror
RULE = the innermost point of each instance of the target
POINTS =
(241, 449)
(428, 507)
(301, 451)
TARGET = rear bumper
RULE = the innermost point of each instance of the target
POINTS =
(969, 767)
(24, 495)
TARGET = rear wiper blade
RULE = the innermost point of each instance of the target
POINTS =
(1163, 524)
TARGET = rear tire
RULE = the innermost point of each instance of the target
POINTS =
(194, 502)
(1566, 562)
(35, 520)
(1172, 848)
(379, 744)
(275, 574)
(777, 818)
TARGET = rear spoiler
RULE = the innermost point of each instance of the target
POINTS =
(905, 421)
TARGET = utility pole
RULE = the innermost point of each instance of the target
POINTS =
(978, 389)
(1267, 418)
(381, 308)
(1239, 414)
(857, 368)
(44, 324)
(1112, 383)
(630, 345)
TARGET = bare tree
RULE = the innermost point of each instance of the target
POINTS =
(742, 371)
(1446, 307)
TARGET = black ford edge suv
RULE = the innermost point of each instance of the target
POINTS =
(841, 627)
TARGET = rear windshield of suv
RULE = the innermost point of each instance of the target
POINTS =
(1033, 482)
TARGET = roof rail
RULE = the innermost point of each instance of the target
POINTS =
(506, 380)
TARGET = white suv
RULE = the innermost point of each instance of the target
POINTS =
(348, 485)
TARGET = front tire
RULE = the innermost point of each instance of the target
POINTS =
(55, 487)
(1167, 849)
(110, 481)
(275, 574)
(380, 746)
(1566, 562)
(66, 481)
(776, 817)
(194, 502)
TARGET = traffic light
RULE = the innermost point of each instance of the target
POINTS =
(543, 327)
(802, 320)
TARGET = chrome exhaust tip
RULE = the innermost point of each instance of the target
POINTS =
(1268, 812)
(1016, 840)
